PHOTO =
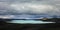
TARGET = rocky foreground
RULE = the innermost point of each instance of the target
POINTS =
(12, 26)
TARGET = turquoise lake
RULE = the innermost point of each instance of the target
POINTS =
(28, 22)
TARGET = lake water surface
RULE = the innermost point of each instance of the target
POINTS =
(29, 21)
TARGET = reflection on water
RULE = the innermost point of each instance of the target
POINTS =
(29, 21)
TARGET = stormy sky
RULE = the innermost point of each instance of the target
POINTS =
(25, 8)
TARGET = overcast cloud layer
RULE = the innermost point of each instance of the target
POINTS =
(23, 7)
